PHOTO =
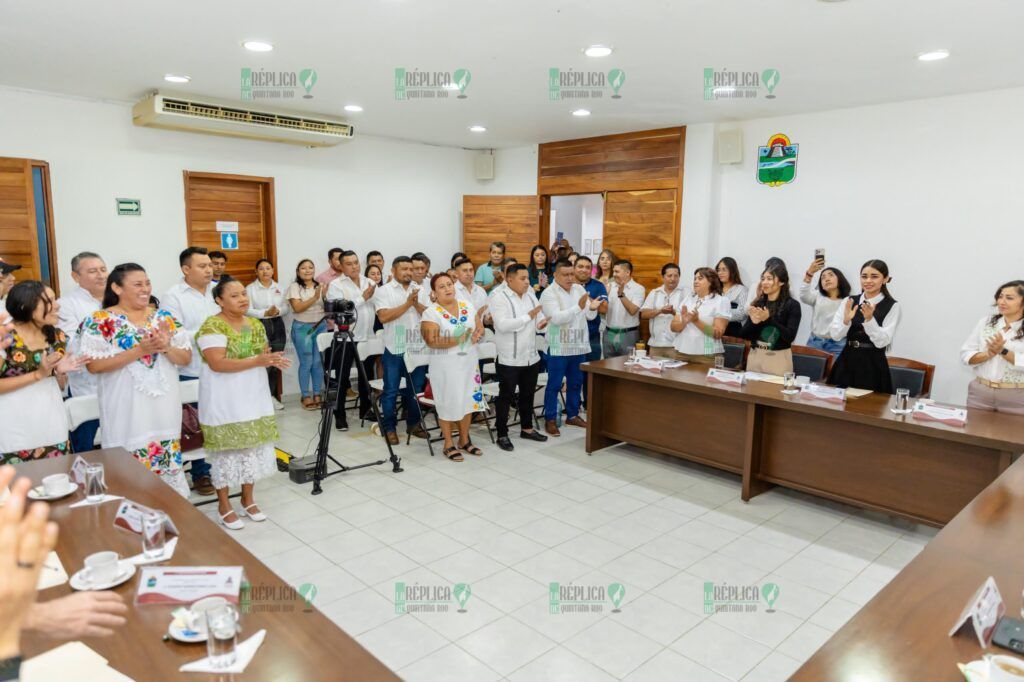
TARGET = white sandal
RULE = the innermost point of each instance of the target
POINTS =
(258, 516)
(233, 525)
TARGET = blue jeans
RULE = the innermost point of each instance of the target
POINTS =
(827, 345)
(200, 467)
(563, 367)
(311, 367)
(593, 356)
(394, 370)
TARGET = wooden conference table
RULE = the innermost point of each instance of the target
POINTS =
(300, 644)
(858, 453)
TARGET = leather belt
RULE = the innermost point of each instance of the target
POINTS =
(862, 345)
(615, 330)
(999, 384)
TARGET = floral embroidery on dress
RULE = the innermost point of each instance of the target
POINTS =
(161, 456)
(23, 360)
(463, 313)
(105, 334)
(33, 454)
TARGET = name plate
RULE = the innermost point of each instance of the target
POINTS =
(982, 612)
(186, 584)
(78, 470)
(947, 414)
(129, 517)
(726, 376)
(825, 394)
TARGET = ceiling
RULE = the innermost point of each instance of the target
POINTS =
(828, 54)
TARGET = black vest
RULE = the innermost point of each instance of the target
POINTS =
(857, 332)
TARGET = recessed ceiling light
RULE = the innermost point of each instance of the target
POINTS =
(581, 112)
(477, 129)
(257, 46)
(354, 108)
(172, 78)
(597, 51)
(933, 55)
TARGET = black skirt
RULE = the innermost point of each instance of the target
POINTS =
(865, 368)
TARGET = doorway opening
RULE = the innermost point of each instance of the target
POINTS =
(579, 218)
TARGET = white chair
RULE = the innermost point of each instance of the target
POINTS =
(81, 409)
(413, 362)
(370, 349)
(488, 351)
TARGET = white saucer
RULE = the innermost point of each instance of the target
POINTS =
(35, 495)
(127, 570)
(184, 635)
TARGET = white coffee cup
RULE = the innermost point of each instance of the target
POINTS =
(1001, 669)
(55, 484)
(196, 615)
(101, 567)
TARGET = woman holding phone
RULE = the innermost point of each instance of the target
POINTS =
(867, 322)
(995, 351)
(824, 299)
(539, 269)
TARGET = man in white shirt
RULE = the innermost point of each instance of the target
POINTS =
(90, 275)
(517, 319)
(398, 308)
(191, 302)
(352, 286)
(622, 323)
(660, 307)
(567, 306)
(466, 289)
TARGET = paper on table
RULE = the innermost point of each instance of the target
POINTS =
(141, 559)
(768, 378)
(53, 572)
(243, 654)
(73, 660)
(857, 392)
(87, 503)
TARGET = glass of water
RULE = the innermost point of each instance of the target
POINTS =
(902, 404)
(789, 383)
(95, 486)
(153, 538)
(222, 635)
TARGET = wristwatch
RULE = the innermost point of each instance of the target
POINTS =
(1005, 351)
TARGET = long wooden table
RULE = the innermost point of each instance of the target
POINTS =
(902, 633)
(858, 453)
(301, 644)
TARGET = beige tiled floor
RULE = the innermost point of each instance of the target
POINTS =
(510, 523)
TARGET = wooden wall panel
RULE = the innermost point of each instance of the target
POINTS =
(514, 220)
(18, 240)
(642, 227)
(210, 197)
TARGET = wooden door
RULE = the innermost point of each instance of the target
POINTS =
(24, 202)
(243, 199)
(514, 220)
(642, 227)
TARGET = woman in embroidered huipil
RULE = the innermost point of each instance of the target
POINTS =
(135, 352)
(235, 406)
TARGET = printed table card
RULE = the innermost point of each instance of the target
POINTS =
(726, 376)
(826, 394)
(933, 412)
(983, 611)
(129, 517)
(187, 584)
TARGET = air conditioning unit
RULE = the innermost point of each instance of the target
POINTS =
(210, 116)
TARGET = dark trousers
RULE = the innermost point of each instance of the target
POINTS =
(351, 356)
(565, 367)
(394, 370)
(509, 380)
(274, 327)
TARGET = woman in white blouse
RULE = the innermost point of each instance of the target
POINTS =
(824, 299)
(735, 292)
(868, 322)
(268, 304)
(995, 350)
(701, 320)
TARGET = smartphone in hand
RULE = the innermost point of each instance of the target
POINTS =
(819, 254)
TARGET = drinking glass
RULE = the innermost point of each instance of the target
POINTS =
(222, 635)
(94, 483)
(719, 362)
(153, 538)
(789, 383)
(902, 404)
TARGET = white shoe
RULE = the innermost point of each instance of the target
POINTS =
(258, 516)
(278, 405)
(233, 525)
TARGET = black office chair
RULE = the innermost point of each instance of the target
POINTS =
(736, 351)
(811, 362)
(912, 375)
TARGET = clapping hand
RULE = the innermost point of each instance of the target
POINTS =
(533, 313)
(542, 324)
(47, 364)
(995, 345)
(272, 311)
(152, 343)
(667, 310)
(414, 294)
(757, 315)
(270, 359)
(368, 294)
(849, 311)
(478, 333)
(868, 310)
(583, 301)
(595, 303)
(71, 363)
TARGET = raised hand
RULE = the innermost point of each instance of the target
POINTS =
(583, 301)
(272, 311)
(414, 294)
(995, 345)
(542, 324)
(71, 363)
(47, 364)
(868, 309)
(368, 294)
(478, 333)
(667, 310)
(533, 313)
(850, 311)
(816, 265)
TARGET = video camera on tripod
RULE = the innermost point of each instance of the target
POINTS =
(342, 312)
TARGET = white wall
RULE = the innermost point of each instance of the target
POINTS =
(370, 193)
(933, 187)
(569, 218)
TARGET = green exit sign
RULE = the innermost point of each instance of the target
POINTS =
(129, 207)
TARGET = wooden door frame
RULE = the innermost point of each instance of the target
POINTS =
(269, 208)
(51, 232)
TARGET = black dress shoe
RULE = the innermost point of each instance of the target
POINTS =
(533, 435)
(505, 444)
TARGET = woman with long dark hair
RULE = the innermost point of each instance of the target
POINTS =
(33, 375)
(539, 268)
(867, 322)
(268, 304)
(604, 266)
(306, 298)
(136, 352)
(995, 351)
(735, 291)
(824, 299)
(772, 324)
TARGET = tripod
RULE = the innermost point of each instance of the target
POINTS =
(342, 343)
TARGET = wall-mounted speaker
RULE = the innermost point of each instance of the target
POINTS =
(730, 146)
(483, 165)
